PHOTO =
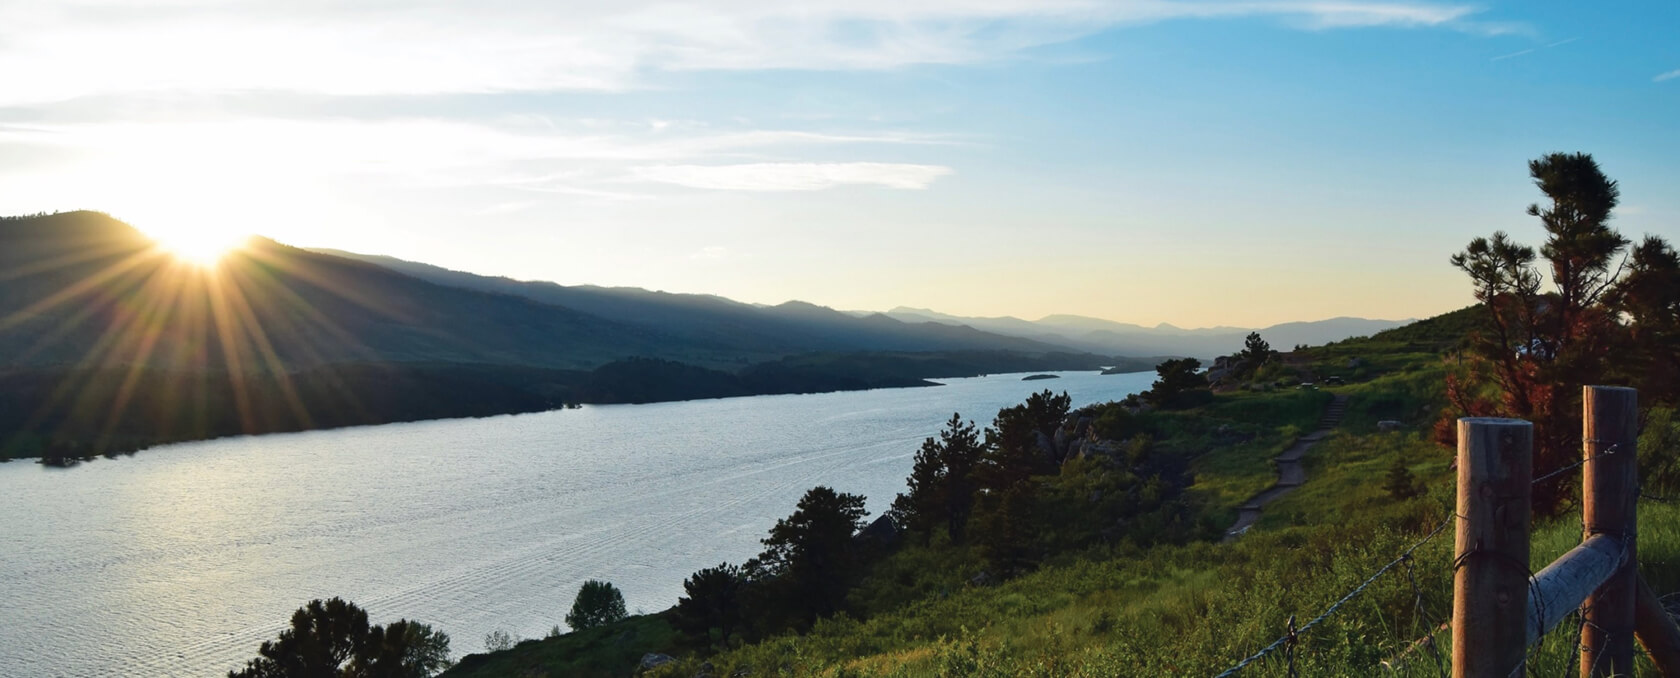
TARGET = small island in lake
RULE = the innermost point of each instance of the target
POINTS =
(1036, 377)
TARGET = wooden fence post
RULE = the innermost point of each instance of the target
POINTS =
(1490, 584)
(1609, 500)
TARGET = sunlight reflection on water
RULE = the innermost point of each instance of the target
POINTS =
(180, 560)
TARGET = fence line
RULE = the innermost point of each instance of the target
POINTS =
(1288, 638)
(1597, 580)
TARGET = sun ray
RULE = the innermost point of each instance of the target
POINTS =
(305, 271)
(309, 312)
(85, 286)
(150, 326)
(63, 261)
(247, 320)
(227, 331)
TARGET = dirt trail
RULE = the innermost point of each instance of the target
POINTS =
(1290, 473)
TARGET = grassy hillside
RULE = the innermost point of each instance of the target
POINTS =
(1191, 606)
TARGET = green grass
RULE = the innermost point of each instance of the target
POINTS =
(1184, 610)
(1233, 440)
(611, 650)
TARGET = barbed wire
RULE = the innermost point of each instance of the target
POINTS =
(1607, 641)
(1657, 498)
(1289, 639)
(1560, 471)
(1575, 645)
(1427, 619)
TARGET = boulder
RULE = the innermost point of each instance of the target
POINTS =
(653, 660)
(1046, 446)
(883, 532)
(1389, 425)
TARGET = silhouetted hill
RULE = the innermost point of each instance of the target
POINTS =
(755, 332)
(86, 290)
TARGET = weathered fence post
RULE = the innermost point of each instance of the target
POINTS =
(1490, 585)
(1609, 500)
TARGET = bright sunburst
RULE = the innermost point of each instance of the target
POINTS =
(199, 246)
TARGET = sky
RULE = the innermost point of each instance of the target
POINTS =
(1196, 163)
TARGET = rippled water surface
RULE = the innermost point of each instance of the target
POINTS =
(180, 560)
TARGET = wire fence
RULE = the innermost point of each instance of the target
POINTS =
(1288, 642)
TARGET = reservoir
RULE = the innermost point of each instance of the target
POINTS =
(182, 559)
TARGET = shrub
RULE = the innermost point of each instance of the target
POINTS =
(598, 603)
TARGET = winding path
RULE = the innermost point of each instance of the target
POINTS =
(1290, 473)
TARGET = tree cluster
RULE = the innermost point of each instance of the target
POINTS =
(1179, 384)
(332, 639)
(1610, 315)
(810, 560)
(1003, 493)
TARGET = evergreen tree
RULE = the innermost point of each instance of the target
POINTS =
(811, 554)
(1004, 531)
(1542, 347)
(941, 483)
(1649, 297)
(1019, 443)
(1179, 383)
(712, 606)
(1255, 354)
(1399, 483)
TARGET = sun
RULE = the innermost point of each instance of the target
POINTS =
(202, 245)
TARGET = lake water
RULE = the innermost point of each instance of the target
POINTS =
(180, 560)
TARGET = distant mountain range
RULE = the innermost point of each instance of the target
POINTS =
(1114, 338)
(796, 325)
(720, 330)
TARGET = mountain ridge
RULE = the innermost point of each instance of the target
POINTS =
(765, 331)
(1112, 337)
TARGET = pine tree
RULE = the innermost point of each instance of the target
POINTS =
(1400, 483)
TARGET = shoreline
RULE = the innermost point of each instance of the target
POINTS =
(69, 461)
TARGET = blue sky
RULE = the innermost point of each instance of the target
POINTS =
(1199, 163)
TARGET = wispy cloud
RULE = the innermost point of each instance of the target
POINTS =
(1531, 50)
(374, 47)
(587, 159)
(1667, 76)
(792, 176)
